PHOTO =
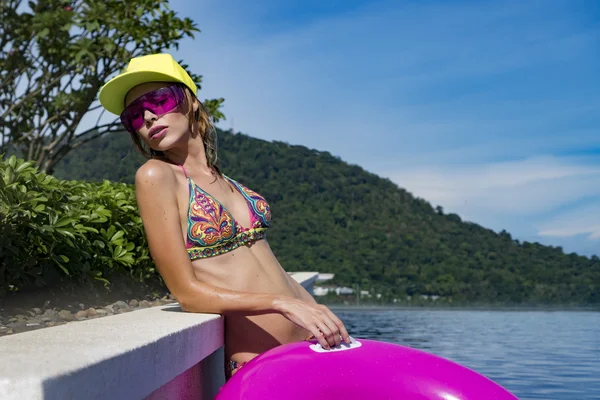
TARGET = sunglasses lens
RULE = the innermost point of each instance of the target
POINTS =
(159, 102)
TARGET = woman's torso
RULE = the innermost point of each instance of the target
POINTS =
(251, 268)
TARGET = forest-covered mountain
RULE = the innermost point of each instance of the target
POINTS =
(329, 216)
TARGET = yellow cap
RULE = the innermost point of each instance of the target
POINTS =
(150, 68)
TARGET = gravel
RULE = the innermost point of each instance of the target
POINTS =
(38, 318)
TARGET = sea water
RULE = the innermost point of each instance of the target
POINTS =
(552, 355)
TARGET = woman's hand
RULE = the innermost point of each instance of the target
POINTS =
(325, 326)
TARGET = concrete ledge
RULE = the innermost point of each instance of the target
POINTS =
(126, 356)
(154, 353)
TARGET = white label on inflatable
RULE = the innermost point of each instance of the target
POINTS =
(343, 346)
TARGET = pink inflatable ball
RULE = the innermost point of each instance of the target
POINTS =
(366, 369)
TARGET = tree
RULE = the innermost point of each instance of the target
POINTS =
(55, 55)
(395, 243)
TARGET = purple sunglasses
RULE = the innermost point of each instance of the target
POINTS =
(160, 102)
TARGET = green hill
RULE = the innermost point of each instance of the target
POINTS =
(330, 216)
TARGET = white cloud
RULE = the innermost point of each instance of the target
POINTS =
(583, 220)
(538, 198)
(526, 187)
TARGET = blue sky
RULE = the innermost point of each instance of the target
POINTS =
(490, 109)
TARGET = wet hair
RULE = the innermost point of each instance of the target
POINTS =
(199, 124)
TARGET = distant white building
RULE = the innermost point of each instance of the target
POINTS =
(323, 290)
(325, 277)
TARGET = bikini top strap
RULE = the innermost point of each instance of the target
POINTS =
(184, 171)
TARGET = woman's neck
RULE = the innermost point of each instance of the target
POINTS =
(192, 157)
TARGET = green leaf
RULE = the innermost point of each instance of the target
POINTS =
(9, 175)
(101, 279)
(86, 228)
(118, 251)
(23, 166)
(43, 33)
(117, 236)
(64, 221)
(65, 270)
(66, 232)
(127, 259)
(109, 47)
(110, 232)
(12, 161)
(80, 54)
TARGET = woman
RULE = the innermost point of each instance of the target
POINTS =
(206, 232)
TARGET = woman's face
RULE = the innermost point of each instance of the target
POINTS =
(160, 133)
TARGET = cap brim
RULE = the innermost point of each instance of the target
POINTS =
(112, 94)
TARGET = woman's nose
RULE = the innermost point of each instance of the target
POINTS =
(149, 116)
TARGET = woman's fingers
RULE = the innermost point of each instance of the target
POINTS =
(320, 336)
(328, 334)
(336, 325)
(340, 326)
(325, 326)
(334, 338)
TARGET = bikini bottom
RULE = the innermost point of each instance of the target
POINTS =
(234, 366)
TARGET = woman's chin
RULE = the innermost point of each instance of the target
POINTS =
(165, 143)
(161, 145)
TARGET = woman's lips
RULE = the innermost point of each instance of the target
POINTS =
(159, 134)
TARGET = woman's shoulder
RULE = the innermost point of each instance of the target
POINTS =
(155, 172)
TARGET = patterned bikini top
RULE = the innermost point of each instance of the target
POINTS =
(212, 230)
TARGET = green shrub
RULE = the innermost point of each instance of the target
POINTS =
(52, 230)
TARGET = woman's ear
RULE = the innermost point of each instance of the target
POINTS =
(195, 105)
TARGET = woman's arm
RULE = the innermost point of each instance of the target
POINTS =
(156, 187)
